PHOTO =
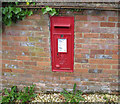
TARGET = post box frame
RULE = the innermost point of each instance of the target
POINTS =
(72, 42)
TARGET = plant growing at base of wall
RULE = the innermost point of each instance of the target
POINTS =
(74, 96)
(50, 11)
(10, 96)
(27, 94)
(18, 96)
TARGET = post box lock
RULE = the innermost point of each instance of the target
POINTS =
(62, 43)
(57, 66)
(61, 36)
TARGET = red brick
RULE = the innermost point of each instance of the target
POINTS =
(95, 70)
(105, 46)
(45, 39)
(115, 66)
(4, 43)
(78, 45)
(106, 36)
(13, 57)
(66, 78)
(33, 72)
(47, 59)
(43, 63)
(20, 63)
(81, 70)
(91, 66)
(112, 41)
(6, 61)
(96, 18)
(30, 63)
(78, 56)
(6, 70)
(108, 61)
(43, 54)
(46, 49)
(82, 29)
(15, 38)
(19, 38)
(12, 53)
(118, 24)
(3, 66)
(109, 80)
(14, 62)
(98, 41)
(79, 40)
(81, 50)
(97, 51)
(81, 17)
(77, 66)
(115, 56)
(117, 46)
(34, 28)
(14, 43)
(96, 61)
(113, 19)
(6, 38)
(38, 67)
(26, 22)
(78, 35)
(37, 58)
(110, 71)
(111, 51)
(89, 46)
(17, 70)
(81, 60)
(8, 48)
(88, 83)
(104, 66)
(17, 28)
(35, 16)
(91, 35)
(96, 79)
(13, 33)
(107, 24)
(21, 48)
(23, 58)
(82, 55)
(86, 24)
(114, 84)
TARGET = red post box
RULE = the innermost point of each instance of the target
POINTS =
(62, 43)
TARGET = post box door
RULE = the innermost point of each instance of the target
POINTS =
(62, 44)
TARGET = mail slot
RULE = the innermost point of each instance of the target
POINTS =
(62, 43)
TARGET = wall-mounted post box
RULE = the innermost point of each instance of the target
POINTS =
(62, 43)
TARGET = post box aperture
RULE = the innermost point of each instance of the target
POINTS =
(62, 43)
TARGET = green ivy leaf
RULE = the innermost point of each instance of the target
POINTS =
(10, 9)
(5, 10)
(8, 22)
(16, 10)
(53, 12)
(9, 15)
(48, 8)
(30, 13)
(44, 11)
(33, 3)
(16, 3)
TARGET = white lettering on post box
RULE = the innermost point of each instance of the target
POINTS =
(62, 45)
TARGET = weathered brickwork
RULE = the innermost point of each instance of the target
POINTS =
(27, 58)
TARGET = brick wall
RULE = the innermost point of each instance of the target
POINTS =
(27, 58)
